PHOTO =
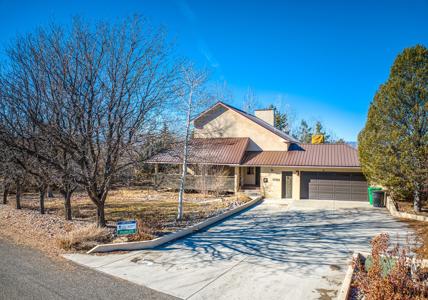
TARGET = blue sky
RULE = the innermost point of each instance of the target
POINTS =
(318, 59)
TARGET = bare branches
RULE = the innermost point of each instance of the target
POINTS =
(80, 100)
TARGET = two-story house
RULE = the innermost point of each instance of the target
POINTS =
(259, 156)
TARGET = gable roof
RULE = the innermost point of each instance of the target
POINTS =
(220, 151)
(306, 155)
(252, 118)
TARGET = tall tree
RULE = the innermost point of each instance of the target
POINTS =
(280, 119)
(393, 145)
(319, 129)
(192, 97)
(304, 132)
(250, 100)
(93, 92)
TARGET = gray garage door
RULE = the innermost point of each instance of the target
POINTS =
(333, 186)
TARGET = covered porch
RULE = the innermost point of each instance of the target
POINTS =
(208, 178)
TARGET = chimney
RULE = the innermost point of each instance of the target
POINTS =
(266, 115)
(318, 139)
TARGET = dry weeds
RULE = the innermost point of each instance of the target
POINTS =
(406, 206)
(84, 238)
(155, 211)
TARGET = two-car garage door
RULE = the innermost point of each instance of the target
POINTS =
(333, 186)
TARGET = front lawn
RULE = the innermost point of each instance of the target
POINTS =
(155, 211)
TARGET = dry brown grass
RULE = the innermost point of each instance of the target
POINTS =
(406, 206)
(84, 238)
(155, 212)
(421, 229)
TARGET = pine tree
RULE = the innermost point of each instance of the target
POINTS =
(393, 145)
(304, 132)
(280, 119)
(319, 129)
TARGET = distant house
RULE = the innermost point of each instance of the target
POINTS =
(258, 156)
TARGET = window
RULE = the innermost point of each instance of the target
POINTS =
(250, 171)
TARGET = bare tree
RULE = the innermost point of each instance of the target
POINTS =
(91, 92)
(192, 95)
(250, 101)
(6, 169)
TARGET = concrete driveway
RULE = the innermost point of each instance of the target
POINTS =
(276, 250)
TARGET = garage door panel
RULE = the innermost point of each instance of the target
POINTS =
(333, 186)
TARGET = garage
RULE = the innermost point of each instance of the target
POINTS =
(333, 186)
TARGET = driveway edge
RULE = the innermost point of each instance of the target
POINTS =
(129, 246)
(391, 206)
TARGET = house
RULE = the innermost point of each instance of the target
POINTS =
(256, 155)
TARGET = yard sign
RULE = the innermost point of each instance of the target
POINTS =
(126, 227)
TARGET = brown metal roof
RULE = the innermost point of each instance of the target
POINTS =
(220, 151)
(307, 155)
(253, 118)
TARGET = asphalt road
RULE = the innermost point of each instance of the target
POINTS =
(28, 274)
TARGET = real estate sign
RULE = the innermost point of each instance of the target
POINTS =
(126, 227)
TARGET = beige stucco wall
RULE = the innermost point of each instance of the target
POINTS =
(272, 188)
(223, 122)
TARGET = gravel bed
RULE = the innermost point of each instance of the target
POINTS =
(29, 227)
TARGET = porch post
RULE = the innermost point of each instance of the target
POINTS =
(156, 174)
(237, 179)
(296, 185)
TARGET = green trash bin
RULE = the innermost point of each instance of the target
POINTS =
(370, 192)
(378, 198)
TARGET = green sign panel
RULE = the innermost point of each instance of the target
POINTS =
(126, 227)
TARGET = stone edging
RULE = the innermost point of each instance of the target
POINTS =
(140, 245)
(346, 284)
(391, 206)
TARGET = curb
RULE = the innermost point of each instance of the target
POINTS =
(141, 245)
(391, 206)
(346, 284)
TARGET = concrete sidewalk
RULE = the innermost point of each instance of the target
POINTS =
(272, 251)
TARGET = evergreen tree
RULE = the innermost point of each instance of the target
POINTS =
(319, 129)
(304, 132)
(393, 145)
(280, 119)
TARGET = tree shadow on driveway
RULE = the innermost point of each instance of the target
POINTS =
(291, 239)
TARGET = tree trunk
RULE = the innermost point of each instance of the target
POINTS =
(186, 149)
(417, 205)
(5, 194)
(18, 195)
(67, 205)
(101, 221)
(42, 193)
(50, 193)
(180, 195)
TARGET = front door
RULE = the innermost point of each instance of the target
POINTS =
(258, 176)
(287, 185)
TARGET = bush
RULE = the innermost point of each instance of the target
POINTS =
(389, 273)
(84, 238)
